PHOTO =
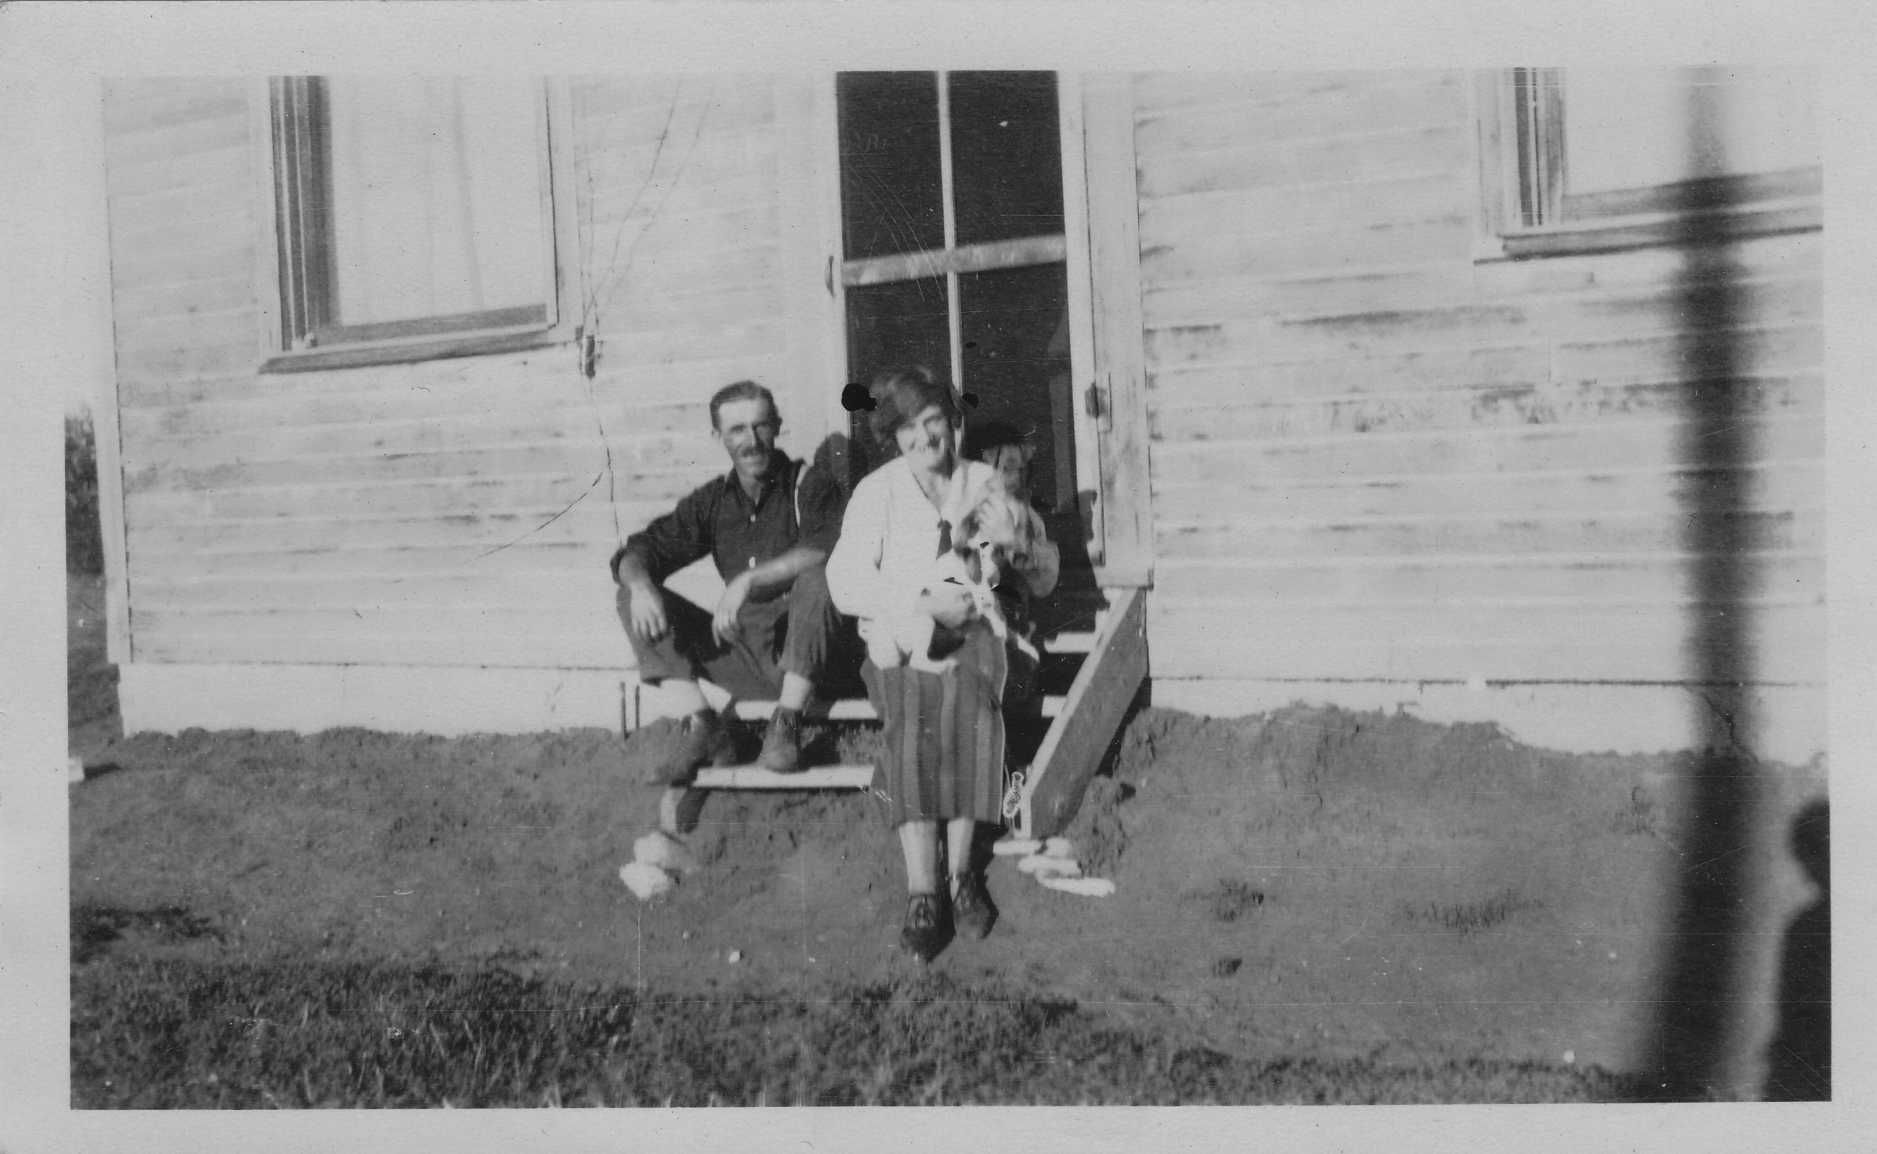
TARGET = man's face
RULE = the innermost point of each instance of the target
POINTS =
(748, 430)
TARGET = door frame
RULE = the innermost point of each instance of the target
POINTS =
(1102, 242)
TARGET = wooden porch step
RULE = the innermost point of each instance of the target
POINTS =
(753, 777)
(860, 709)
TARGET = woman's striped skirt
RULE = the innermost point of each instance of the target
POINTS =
(945, 749)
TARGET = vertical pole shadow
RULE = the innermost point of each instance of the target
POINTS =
(1698, 1025)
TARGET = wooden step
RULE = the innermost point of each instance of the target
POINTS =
(754, 777)
(860, 709)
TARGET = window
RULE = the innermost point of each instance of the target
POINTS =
(1587, 160)
(955, 248)
(414, 218)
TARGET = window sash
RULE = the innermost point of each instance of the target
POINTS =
(310, 337)
(1530, 212)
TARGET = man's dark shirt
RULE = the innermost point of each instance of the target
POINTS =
(718, 520)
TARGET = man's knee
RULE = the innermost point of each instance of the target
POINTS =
(810, 589)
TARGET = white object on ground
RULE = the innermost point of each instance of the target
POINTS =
(646, 881)
(74, 771)
(1040, 864)
(735, 956)
(664, 851)
(1087, 887)
(1059, 847)
(1017, 847)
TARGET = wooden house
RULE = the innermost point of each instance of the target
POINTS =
(1377, 388)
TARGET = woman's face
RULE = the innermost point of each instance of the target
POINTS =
(926, 440)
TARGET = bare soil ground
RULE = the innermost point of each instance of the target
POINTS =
(1308, 885)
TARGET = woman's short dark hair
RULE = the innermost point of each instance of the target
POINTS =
(901, 394)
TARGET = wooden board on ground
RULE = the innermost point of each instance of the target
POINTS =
(1090, 715)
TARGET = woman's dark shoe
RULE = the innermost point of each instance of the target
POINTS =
(973, 911)
(926, 930)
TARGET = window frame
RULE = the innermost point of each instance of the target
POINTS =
(295, 256)
(1522, 118)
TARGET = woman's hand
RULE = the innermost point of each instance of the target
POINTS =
(949, 605)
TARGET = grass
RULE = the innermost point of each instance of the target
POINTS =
(150, 1032)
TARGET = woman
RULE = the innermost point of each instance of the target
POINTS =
(944, 760)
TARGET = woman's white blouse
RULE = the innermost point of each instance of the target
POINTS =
(890, 536)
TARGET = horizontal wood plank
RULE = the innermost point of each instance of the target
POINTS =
(1448, 238)
(582, 458)
(494, 557)
(1602, 317)
(586, 515)
(1543, 448)
(344, 498)
(1510, 405)
(1662, 489)
(464, 590)
(1564, 643)
(1269, 212)
(1586, 579)
(1381, 102)
(1164, 91)
(325, 638)
(1340, 160)
(1606, 532)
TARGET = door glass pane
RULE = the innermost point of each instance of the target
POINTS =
(1016, 363)
(890, 194)
(1006, 155)
(436, 197)
(901, 322)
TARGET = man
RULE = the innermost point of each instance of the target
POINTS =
(769, 525)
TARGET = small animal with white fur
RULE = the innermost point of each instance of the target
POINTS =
(998, 540)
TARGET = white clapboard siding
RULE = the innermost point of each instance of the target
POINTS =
(1321, 92)
(1375, 456)
(1535, 448)
(372, 636)
(1560, 642)
(1309, 162)
(444, 497)
(473, 587)
(1484, 579)
(1361, 106)
(448, 512)
(1769, 485)
(1619, 531)
(1499, 406)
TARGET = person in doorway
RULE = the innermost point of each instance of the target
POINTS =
(768, 525)
(943, 761)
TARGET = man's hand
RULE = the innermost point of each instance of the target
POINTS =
(647, 613)
(723, 625)
(949, 605)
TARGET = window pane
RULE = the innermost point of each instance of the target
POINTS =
(436, 197)
(890, 197)
(1631, 129)
(1006, 155)
(1016, 362)
(897, 323)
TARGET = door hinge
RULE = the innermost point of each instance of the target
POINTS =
(1095, 404)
